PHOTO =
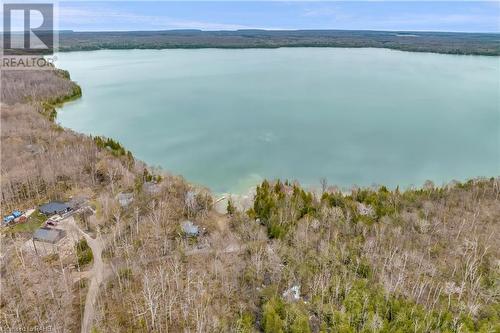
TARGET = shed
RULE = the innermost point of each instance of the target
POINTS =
(49, 235)
(54, 207)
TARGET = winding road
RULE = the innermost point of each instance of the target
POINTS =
(96, 274)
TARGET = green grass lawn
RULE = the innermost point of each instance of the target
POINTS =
(34, 222)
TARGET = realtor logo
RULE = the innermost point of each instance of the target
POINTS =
(28, 28)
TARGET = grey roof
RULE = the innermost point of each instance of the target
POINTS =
(125, 199)
(190, 228)
(54, 207)
(49, 235)
(151, 188)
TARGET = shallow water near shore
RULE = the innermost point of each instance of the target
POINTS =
(229, 118)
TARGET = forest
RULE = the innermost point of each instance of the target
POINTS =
(436, 42)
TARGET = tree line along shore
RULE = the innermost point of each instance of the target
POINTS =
(436, 42)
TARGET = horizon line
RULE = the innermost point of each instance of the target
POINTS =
(274, 30)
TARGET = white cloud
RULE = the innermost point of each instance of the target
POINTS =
(319, 12)
(100, 19)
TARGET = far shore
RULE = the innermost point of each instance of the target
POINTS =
(435, 42)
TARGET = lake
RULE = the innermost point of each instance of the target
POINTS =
(229, 118)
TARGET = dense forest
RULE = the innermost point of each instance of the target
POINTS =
(370, 260)
(438, 42)
(421, 260)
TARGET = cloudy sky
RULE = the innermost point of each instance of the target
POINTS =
(469, 16)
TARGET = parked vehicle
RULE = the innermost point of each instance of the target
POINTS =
(55, 218)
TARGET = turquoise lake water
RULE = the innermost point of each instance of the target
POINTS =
(229, 118)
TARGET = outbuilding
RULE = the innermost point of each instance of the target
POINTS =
(48, 235)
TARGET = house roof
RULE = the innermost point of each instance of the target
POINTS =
(125, 199)
(151, 188)
(189, 228)
(49, 235)
(54, 207)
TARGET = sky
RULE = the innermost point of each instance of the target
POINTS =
(463, 16)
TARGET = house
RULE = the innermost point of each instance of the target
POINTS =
(189, 228)
(151, 188)
(54, 207)
(125, 199)
(48, 235)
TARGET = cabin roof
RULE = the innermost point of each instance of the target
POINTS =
(49, 235)
(190, 228)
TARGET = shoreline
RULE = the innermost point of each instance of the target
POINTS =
(281, 47)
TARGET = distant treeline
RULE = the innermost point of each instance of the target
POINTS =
(437, 42)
